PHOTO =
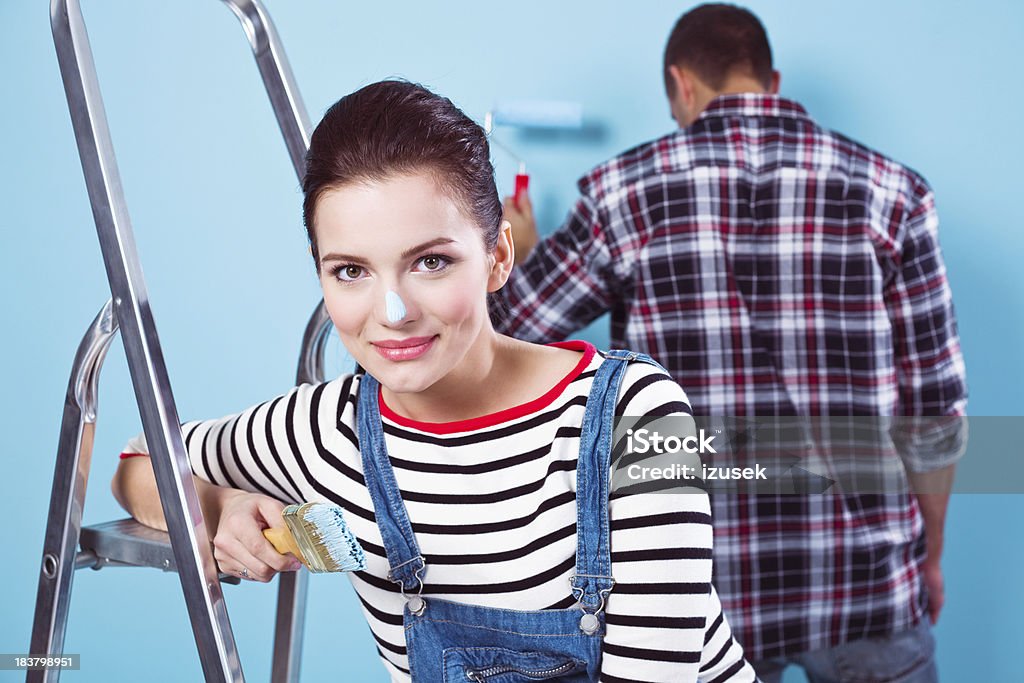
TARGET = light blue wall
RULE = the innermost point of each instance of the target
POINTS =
(216, 211)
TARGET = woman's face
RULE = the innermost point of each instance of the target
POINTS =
(405, 236)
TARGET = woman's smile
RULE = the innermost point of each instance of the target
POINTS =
(403, 349)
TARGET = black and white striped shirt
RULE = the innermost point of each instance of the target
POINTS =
(492, 503)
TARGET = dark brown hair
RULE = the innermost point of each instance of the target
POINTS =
(716, 40)
(394, 128)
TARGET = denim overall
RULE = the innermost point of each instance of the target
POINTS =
(450, 641)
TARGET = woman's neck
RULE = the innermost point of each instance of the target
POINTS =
(509, 373)
(474, 387)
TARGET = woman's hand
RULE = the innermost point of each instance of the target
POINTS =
(239, 545)
(235, 518)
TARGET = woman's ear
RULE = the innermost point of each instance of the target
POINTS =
(502, 257)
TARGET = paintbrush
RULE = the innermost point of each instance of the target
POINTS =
(316, 534)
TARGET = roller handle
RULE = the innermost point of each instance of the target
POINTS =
(522, 185)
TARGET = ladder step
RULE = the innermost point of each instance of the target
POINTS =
(126, 542)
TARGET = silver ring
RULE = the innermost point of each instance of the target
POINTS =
(244, 573)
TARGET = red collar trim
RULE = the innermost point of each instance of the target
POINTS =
(501, 416)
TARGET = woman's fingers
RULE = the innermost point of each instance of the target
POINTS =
(233, 558)
(240, 547)
(270, 510)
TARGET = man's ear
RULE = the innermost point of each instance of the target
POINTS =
(776, 80)
(685, 95)
(504, 256)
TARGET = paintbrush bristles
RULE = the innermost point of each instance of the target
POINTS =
(326, 541)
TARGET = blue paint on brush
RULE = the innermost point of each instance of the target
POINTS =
(325, 540)
(394, 307)
(336, 538)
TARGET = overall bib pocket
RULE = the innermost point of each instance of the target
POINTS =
(500, 665)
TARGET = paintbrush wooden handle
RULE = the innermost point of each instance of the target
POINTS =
(282, 540)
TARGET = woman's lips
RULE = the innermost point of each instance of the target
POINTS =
(403, 349)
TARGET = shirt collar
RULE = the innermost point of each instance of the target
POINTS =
(753, 104)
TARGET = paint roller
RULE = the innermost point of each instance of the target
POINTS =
(534, 114)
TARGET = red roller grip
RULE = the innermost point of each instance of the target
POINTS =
(522, 185)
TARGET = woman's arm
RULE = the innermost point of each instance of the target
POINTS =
(722, 658)
(235, 519)
(245, 465)
(134, 487)
(663, 618)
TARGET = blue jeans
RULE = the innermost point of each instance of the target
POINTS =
(905, 657)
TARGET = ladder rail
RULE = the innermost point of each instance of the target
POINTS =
(190, 540)
(67, 499)
(293, 121)
(71, 474)
(312, 358)
(293, 587)
(114, 230)
(278, 80)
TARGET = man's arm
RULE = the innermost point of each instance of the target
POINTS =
(568, 280)
(932, 490)
(931, 436)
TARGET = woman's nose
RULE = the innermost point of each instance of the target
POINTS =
(395, 310)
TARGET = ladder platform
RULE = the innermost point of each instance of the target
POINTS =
(126, 542)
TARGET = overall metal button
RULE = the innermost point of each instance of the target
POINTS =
(417, 605)
(589, 624)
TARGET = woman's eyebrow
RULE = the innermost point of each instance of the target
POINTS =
(357, 260)
(438, 241)
(336, 256)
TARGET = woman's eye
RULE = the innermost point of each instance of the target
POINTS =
(348, 273)
(433, 263)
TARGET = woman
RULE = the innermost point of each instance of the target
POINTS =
(473, 467)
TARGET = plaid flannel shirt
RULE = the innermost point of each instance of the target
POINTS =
(776, 269)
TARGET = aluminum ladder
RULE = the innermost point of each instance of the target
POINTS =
(186, 547)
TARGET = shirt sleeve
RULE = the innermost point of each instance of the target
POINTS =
(567, 282)
(664, 621)
(931, 430)
(263, 449)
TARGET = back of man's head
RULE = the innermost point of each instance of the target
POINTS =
(716, 41)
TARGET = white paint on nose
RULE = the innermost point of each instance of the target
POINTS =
(394, 307)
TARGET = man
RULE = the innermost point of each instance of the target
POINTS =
(776, 269)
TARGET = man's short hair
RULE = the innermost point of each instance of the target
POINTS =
(715, 41)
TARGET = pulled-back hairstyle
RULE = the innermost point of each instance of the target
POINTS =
(716, 40)
(394, 128)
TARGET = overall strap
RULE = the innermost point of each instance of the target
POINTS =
(593, 580)
(404, 558)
